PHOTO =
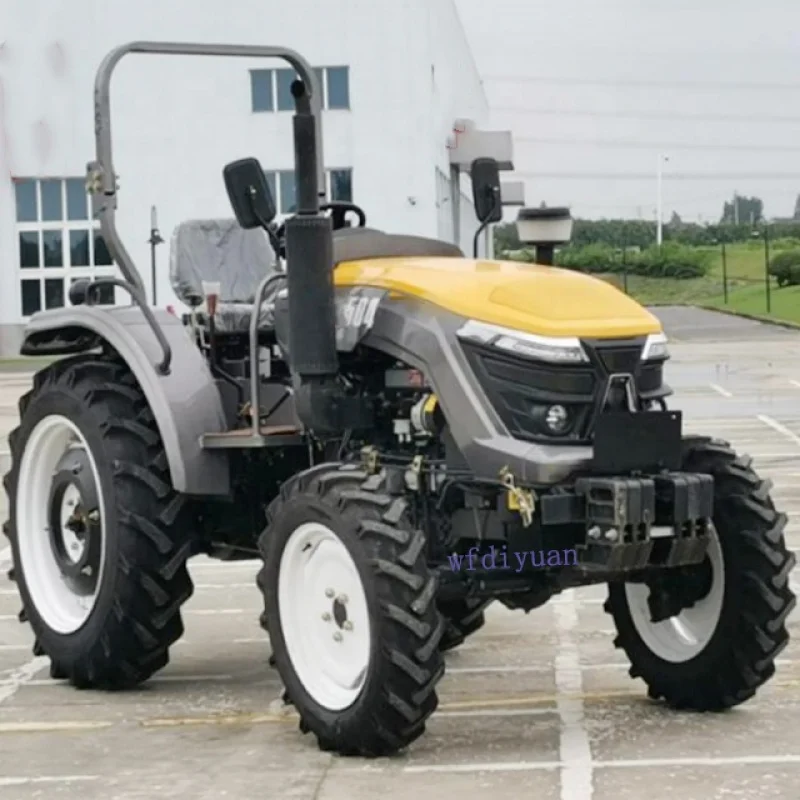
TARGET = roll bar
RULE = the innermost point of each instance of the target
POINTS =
(101, 180)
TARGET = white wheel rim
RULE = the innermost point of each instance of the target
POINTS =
(318, 581)
(684, 636)
(61, 608)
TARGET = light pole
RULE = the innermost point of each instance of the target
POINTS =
(154, 240)
(662, 159)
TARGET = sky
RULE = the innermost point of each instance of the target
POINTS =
(599, 92)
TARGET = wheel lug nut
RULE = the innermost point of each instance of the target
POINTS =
(342, 598)
(329, 593)
(337, 637)
(347, 625)
(326, 617)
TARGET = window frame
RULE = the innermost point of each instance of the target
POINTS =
(275, 180)
(274, 82)
(65, 273)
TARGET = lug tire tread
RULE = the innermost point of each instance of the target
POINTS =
(758, 597)
(410, 626)
(154, 531)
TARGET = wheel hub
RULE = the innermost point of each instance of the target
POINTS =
(677, 615)
(60, 524)
(324, 616)
(339, 613)
(74, 522)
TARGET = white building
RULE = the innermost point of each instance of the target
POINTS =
(397, 75)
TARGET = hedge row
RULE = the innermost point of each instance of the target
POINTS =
(785, 267)
(669, 261)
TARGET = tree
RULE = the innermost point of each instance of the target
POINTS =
(748, 210)
(506, 238)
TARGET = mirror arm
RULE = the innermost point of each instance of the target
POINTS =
(483, 225)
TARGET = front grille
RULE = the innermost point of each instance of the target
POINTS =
(521, 390)
(620, 359)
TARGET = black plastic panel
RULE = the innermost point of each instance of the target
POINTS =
(629, 442)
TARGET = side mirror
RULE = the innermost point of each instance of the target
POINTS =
(485, 176)
(249, 194)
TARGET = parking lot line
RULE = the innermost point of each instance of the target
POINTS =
(794, 383)
(717, 388)
(781, 428)
(531, 766)
(48, 682)
(574, 747)
(20, 676)
(499, 670)
(54, 727)
(25, 781)
(538, 705)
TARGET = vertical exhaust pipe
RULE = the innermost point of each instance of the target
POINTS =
(309, 254)
(320, 399)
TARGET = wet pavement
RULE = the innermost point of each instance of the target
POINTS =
(531, 706)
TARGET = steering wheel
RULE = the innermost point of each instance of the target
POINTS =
(339, 210)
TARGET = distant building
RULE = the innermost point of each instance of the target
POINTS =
(395, 78)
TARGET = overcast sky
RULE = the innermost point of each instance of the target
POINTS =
(595, 90)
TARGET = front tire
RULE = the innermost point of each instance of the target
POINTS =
(350, 608)
(719, 652)
(99, 538)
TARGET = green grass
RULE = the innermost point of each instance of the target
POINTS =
(784, 303)
(746, 287)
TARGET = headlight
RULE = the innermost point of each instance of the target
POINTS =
(556, 349)
(655, 347)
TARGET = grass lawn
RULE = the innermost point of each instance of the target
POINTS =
(784, 305)
(746, 289)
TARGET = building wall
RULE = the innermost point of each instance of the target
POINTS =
(178, 120)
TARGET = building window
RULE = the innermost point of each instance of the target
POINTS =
(271, 89)
(282, 185)
(58, 242)
(340, 185)
(338, 89)
(261, 89)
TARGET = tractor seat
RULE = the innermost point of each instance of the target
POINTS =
(239, 259)
(221, 250)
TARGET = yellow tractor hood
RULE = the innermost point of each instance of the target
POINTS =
(526, 297)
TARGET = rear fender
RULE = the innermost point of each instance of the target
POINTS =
(185, 402)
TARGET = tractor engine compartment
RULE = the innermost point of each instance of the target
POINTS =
(622, 522)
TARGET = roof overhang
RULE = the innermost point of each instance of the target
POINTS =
(467, 142)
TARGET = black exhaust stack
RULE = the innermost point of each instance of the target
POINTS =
(320, 400)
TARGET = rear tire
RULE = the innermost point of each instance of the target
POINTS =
(350, 609)
(724, 647)
(99, 538)
(464, 617)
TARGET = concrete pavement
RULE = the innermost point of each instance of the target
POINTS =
(531, 706)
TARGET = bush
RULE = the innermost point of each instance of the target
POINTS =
(672, 260)
(785, 268)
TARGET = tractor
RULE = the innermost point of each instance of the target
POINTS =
(357, 410)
